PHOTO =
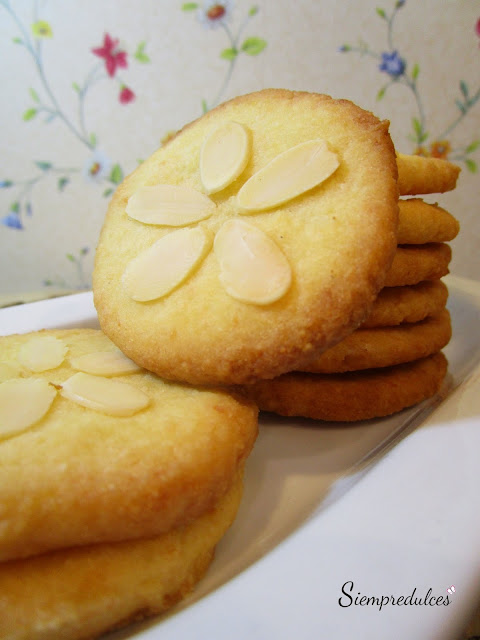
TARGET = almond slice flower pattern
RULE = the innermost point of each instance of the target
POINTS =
(253, 268)
(25, 401)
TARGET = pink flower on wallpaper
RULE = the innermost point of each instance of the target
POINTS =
(477, 27)
(113, 57)
(126, 95)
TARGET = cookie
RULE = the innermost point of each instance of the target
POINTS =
(93, 450)
(385, 346)
(348, 397)
(421, 175)
(414, 263)
(269, 266)
(395, 305)
(85, 591)
(420, 223)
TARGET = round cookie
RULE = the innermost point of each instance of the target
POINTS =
(420, 175)
(84, 592)
(414, 263)
(420, 223)
(385, 346)
(80, 475)
(395, 305)
(348, 397)
(330, 245)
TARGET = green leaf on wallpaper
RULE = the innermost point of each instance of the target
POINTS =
(43, 165)
(420, 134)
(15, 207)
(62, 183)
(464, 88)
(381, 93)
(204, 106)
(229, 54)
(34, 95)
(189, 6)
(76, 87)
(253, 46)
(140, 54)
(415, 71)
(471, 165)
(472, 146)
(17, 40)
(93, 140)
(29, 114)
(70, 257)
(417, 127)
(381, 12)
(116, 175)
(461, 106)
(253, 11)
(107, 193)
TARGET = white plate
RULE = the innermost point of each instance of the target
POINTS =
(315, 530)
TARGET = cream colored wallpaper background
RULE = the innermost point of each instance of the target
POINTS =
(91, 88)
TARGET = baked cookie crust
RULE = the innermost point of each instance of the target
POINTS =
(80, 476)
(338, 238)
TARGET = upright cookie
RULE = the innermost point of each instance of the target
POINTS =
(258, 236)
(94, 449)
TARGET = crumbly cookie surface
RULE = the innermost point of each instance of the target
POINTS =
(86, 591)
(337, 238)
(80, 475)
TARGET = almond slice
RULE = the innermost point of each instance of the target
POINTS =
(164, 265)
(42, 353)
(223, 156)
(23, 402)
(291, 173)
(252, 267)
(169, 205)
(105, 363)
(102, 394)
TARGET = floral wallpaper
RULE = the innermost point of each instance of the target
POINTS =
(90, 89)
(400, 69)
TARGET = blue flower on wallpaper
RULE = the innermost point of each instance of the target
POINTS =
(395, 66)
(12, 220)
(392, 64)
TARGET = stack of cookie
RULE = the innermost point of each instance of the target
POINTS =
(255, 240)
(115, 487)
(394, 359)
